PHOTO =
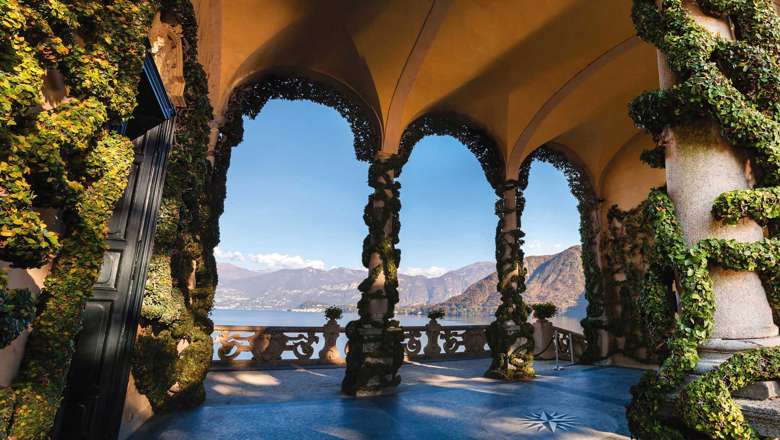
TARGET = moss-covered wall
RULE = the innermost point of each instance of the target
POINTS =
(62, 157)
(173, 349)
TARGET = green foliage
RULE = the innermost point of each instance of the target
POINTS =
(761, 205)
(333, 312)
(736, 84)
(627, 249)
(61, 157)
(544, 310)
(436, 314)
(173, 350)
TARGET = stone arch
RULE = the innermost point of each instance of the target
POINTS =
(581, 184)
(476, 138)
(249, 98)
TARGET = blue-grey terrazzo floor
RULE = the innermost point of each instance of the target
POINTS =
(442, 400)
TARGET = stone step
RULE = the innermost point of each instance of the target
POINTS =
(763, 415)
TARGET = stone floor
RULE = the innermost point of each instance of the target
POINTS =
(436, 400)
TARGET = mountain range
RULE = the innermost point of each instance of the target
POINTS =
(241, 288)
(554, 278)
(470, 290)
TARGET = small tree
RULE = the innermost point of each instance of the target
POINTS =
(544, 310)
(333, 312)
(436, 314)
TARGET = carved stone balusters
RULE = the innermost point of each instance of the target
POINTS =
(412, 342)
(474, 341)
(375, 350)
(330, 353)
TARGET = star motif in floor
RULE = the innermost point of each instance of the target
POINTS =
(549, 421)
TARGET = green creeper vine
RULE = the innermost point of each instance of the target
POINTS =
(61, 157)
(381, 215)
(383, 210)
(736, 84)
(173, 349)
(512, 358)
(627, 251)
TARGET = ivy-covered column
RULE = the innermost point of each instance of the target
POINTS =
(375, 352)
(700, 166)
(510, 336)
(717, 122)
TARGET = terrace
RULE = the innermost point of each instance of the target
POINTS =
(436, 399)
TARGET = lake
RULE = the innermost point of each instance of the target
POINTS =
(307, 319)
(270, 318)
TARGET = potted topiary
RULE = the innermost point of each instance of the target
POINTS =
(330, 353)
(544, 311)
(333, 313)
(433, 315)
(433, 331)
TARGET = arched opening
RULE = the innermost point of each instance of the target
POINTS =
(291, 231)
(552, 246)
(183, 272)
(448, 233)
(581, 188)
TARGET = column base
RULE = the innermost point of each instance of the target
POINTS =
(714, 352)
(510, 361)
(374, 356)
(763, 416)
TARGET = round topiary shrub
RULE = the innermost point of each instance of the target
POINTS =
(544, 310)
(333, 312)
(433, 315)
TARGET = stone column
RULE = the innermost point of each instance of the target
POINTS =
(701, 165)
(374, 349)
(510, 336)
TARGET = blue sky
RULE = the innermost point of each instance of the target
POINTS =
(295, 198)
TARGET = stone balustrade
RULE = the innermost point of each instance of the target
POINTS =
(238, 347)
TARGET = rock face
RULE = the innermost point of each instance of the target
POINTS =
(555, 278)
(241, 288)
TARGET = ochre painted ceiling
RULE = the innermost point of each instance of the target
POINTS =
(530, 72)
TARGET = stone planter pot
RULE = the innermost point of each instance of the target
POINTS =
(543, 336)
(330, 353)
(11, 357)
(432, 331)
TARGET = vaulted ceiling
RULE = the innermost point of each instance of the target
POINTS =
(530, 72)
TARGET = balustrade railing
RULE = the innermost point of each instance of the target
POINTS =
(239, 347)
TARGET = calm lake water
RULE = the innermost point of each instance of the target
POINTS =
(311, 319)
(306, 319)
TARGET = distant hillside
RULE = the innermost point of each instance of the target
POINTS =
(555, 278)
(241, 288)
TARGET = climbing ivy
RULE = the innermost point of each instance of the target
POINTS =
(60, 156)
(735, 84)
(250, 98)
(512, 358)
(173, 349)
(460, 127)
(627, 251)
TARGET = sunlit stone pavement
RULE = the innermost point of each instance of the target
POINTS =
(436, 400)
